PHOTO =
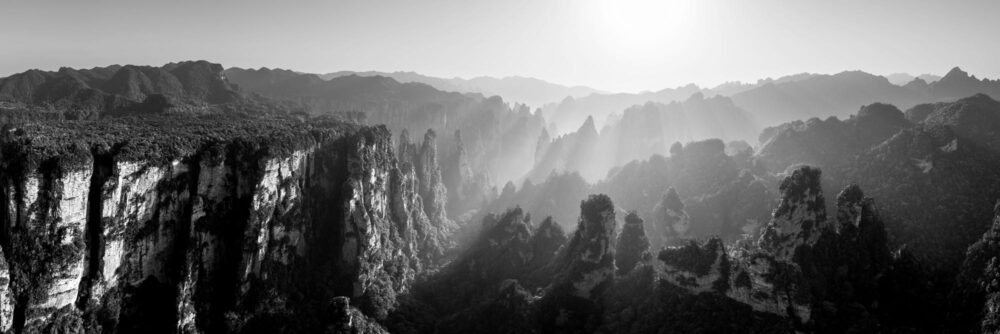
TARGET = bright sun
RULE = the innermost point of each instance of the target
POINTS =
(636, 25)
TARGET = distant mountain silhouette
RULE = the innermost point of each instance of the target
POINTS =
(900, 79)
(564, 115)
(641, 131)
(840, 94)
(498, 137)
(789, 98)
(958, 83)
(531, 91)
(822, 96)
(89, 93)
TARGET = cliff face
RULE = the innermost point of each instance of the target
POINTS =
(231, 226)
(976, 292)
(803, 260)
(949, 154)
(422, 160)
(498, 137)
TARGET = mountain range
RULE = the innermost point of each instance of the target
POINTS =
(901, 79)
(187, 87)
(497, 136)
(773, 102)
(639, 132)
(530, 91)
(161, 200)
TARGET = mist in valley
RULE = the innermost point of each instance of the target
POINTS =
(500, 167)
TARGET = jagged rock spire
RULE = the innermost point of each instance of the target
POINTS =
(633, 245)
(430, 187)
(406, 150)
(589, 259)
(849, 203)
(427, 165)
(800, 213)
(457, 176)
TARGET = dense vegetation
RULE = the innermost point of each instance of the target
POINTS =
(687, 234)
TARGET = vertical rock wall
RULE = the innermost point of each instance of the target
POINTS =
(236, 236)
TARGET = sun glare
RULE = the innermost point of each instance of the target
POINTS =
(636, 25)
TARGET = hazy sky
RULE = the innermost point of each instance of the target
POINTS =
(617, 45)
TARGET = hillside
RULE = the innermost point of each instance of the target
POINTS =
(186, 87)
(525, 90)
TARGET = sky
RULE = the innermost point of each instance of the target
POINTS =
(612, 45)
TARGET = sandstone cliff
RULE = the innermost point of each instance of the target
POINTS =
(205, 225)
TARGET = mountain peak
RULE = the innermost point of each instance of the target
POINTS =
(588, 126)
(956, 72)
(697, 96)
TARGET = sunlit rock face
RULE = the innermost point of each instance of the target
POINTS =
(800, 214)
(254, 229)
(585, 268)
(907, 161)
(810, 269)
(771, 279)
(6, 297)
(46, 216)
(589, 258)
(423, 159)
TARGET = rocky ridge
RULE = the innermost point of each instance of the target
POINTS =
(204, 225)
(190, 87)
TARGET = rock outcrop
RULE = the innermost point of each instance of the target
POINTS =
(670, 223)
(799, 217)
(423, 161)
(816, 271)
(585, 268)
(499, 137)
(633, 245)
(588, 261)
(697, 267)
(203, 225)
(976, 293)
(950, 151)
(464, 192)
